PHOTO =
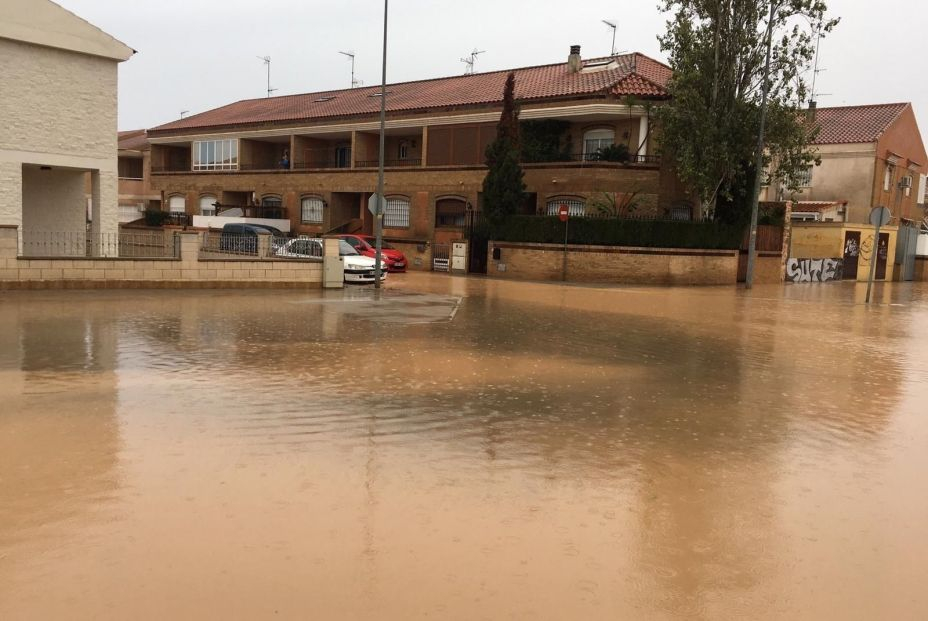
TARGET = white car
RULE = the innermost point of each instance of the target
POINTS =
(358, 268)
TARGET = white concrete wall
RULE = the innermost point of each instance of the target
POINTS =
(217, 222)
(53, 200)
(57, 109)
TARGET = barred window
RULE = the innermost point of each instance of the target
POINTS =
(681, 212)
(575, 206)
(215, 155)
(397, 212)
(311, 210)
(803, 178)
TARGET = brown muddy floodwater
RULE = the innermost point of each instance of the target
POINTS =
(465, 449)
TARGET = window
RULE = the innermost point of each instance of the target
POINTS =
(271, 201)
(907, 184)
(681, 212)
(397, 212)
(597, 139)
(215, 155)
(130, 168)
(803, 178)
(343, 157)
(177, 204)
(888, 178)
(311, 210)
(404, 150)
(922, 182)
(207, 205)
(575, 206)
(449, 212)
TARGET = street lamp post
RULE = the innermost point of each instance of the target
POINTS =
(759, 156)
(378, 217)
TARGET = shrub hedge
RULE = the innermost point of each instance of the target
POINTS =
(707, 235)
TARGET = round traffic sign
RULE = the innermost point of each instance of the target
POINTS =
(563, 211)
(880, 216)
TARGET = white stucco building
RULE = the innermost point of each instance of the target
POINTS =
(58, 77)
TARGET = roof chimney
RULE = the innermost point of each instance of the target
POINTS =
(573, 61)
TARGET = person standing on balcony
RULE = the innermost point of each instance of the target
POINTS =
(285, 160)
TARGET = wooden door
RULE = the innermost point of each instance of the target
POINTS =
(851, 254)
(882, 253)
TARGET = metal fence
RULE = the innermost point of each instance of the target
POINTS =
(129, 245)
(215, 244)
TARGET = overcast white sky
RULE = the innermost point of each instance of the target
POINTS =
(199, 54)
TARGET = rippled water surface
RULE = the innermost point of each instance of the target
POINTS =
(465, 449)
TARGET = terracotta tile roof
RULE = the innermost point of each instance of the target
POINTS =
(133, 140)
(628, 74)
(853, 124)
(807, 206)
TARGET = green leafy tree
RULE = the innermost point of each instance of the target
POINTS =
(503, 187)
(717, 50)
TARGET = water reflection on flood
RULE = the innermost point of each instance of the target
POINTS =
(464, 449)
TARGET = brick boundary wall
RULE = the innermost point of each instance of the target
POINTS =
(613, 264)
(187, 271)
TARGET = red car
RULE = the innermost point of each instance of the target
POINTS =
(364, 244)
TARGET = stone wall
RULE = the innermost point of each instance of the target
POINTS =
(187, 271)
(610, 264)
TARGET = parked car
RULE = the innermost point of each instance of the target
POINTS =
(358, 269)
(365, 245)
(242, 238)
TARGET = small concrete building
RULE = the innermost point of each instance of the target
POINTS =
(870, 156)
(58, 78)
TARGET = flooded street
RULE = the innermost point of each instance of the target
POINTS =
(465, 449)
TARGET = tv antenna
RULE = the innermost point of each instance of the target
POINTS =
(267, 63)
(815, 71)
(470, 60)
(183, 112)
(350, 55)
(614, 27)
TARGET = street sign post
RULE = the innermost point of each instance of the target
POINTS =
(563, 212)
(879, 216)
(373, 207)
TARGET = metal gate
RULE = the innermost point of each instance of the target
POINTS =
(906, 243)
(476, 234)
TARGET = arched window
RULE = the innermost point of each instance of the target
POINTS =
(177, 204)
(396, 215)
(575, 206)
(311, 210)
(207, 205)
(596, 139)
(271, 201)
(450, 212)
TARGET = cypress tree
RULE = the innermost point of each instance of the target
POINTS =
(503, 187)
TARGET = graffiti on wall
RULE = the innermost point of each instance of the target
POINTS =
(814, 270)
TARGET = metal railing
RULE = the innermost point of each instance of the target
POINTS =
(595, 157)
(389, 163)
(129, 245)
(218, 245)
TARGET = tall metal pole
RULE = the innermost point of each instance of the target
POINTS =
(873, 257)
(378, 218)
(759, 157)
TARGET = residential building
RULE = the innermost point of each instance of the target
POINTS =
(134, 168)
(870, 156)
(312, 159)
(58, 105)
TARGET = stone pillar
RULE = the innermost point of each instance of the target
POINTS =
(9, 242)
(643, 136)
(333, 268)
(96, 214)
(189, 248)
(264, 245)
(425, 145)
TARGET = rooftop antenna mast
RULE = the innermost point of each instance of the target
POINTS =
(267, 63)
(614, 27)
(183, 112)
(354, 83)
(470, 60)
(816, 70)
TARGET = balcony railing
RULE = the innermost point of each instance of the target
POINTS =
(329, 162)
(389, 163)
(136, 245)
(595, 158)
